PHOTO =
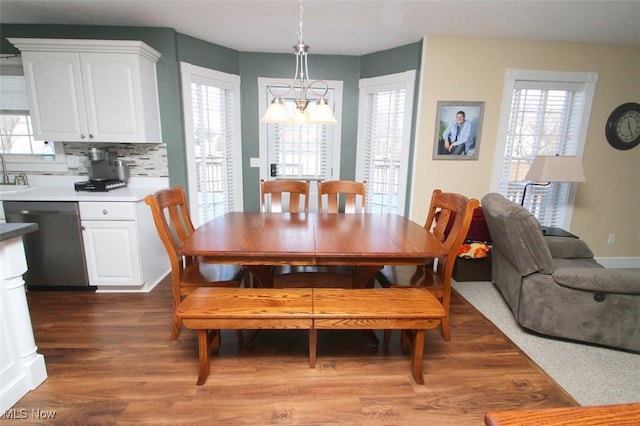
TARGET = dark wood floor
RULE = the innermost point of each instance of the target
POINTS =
(110, 361)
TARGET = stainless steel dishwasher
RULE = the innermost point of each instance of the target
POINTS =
(55, 253)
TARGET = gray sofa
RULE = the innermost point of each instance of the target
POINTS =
(554, 286)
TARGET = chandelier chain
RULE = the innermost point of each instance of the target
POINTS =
(300, 24)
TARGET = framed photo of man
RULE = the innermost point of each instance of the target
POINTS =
(458, 130)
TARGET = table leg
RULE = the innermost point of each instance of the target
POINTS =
(203, 353)
(214, 341)
(418, 349)
(365, 276)
(263, 273)
(313, 341)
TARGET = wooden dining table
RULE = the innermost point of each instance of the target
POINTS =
(261, 240)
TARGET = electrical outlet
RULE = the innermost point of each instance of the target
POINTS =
(611, 239)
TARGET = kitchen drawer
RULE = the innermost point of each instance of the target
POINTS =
(107, 211)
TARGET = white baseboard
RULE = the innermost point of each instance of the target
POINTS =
(619, 262)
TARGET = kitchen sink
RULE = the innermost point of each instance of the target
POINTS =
(7, 188)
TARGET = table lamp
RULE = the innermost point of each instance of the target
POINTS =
(553, 168)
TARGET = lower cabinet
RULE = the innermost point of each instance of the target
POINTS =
(122, 247)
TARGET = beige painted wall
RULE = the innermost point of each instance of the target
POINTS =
(465, 69)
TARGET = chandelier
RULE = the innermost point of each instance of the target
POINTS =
(301, 86)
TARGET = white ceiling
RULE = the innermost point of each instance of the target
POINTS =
(349, 27)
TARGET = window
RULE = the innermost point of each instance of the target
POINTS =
(301, 151)
(17, 141)
(16, 133)
(214, 153)
(545, 114)
(384, 130)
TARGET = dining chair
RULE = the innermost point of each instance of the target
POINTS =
(284, 195)
(334, 191)
(174, 225)
(331, 193)
(274, 192)
(448, 219)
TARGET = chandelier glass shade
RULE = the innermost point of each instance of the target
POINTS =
(302, 88)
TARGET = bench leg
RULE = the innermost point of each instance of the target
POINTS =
(418, 349)
(313, 341)
(203, 353)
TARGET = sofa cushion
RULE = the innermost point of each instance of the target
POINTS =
(568, 248)
(517, 234)
(599, 280)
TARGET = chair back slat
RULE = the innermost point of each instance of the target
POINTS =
(350, 191)
(271, 196)
(454, 211)
(170, 215)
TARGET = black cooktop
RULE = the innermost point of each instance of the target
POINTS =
(99, 185)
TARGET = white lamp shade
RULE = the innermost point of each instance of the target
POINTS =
(276, 113)
(299, 117)
(556, 168)
(322, 114)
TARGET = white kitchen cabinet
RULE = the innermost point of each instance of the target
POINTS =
(122, 247)
(92, 90)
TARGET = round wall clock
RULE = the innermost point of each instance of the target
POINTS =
(623, 126)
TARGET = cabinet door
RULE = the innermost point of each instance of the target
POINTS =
(113, 253)
(56, 98)
(113, 97)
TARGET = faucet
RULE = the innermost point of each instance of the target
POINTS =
(5, 175)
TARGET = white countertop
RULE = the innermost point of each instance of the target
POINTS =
(60, 188)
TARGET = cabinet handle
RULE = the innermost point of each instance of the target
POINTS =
(105, 211)
(90, 136)
(82, 136)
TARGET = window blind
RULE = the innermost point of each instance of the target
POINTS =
(545, 119)
(212, 111)
(384, 138)
(382, 152)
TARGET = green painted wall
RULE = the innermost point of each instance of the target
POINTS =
(391, 61)
(176, 47)
(207, 55)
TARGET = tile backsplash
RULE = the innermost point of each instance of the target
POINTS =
(145, 160)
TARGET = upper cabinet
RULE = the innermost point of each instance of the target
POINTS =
(92, 90)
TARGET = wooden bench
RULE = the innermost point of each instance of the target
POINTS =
(397, 308)
(209, 310)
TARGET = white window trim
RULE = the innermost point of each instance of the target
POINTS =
(588, 79)
(405, 79)
(232, 81)
(37, 163)
(263, 103)
(33, 162)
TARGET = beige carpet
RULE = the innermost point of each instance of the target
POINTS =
(592, 375)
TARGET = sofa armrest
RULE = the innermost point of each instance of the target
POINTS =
(568, 248)
(621, 281)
